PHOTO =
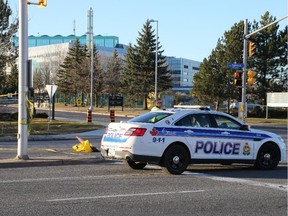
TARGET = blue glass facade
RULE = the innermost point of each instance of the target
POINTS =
(43, 40)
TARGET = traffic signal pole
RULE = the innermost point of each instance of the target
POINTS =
(242, 112)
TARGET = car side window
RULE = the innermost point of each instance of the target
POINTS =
(188, 120)
(225, 122)
(150, 117)
(203, 120)
(195, 120)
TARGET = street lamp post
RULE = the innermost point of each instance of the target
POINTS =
(156, 60)
(90, 47)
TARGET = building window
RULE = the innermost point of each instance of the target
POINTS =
(176, 72)
(186, 66)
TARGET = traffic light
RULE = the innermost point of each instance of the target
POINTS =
(251, 49)
(251, 77)
(237, 78)
(42, 3)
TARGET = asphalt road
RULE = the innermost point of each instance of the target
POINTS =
(110, 188)
(81, 116)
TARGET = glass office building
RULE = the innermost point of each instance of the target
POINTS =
(182, 71)
(54, 48)
(44, 40)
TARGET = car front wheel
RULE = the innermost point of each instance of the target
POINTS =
(176, 159)
(268, 157)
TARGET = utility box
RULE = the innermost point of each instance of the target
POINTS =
(167, 101)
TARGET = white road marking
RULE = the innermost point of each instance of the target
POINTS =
(252, 183)
(241, 181)
(62, 178)
(123, 195)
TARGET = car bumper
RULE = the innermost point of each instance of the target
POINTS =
(124, 155)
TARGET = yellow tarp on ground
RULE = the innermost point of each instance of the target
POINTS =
(84, 146)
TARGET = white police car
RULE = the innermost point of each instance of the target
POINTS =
(176, 138)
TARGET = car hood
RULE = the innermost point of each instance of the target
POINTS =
(272, 135)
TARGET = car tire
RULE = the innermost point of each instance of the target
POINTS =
(226, 163)
(134, 165)
(268, 157)
(176, 159)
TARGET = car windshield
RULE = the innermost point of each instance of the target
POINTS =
(150, 117)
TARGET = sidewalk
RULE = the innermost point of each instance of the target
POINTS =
(67, 156)
(50, 156)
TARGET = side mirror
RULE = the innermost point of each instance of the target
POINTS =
(244, 127)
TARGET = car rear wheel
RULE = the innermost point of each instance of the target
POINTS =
(134, 165)
(268, 157)
(176, 159)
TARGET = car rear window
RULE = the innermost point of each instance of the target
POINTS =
(150, 117)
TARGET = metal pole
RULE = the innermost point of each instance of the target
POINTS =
(243, 109)
(156, 63)
(246, 36)
(22, 135)
(92, 57)
(264, 27)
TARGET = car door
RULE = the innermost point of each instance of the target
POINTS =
(201, 135)
(234, 142)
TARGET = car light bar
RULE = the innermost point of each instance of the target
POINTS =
(192, 107)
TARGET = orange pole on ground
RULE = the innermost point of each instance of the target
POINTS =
(89, 115)
(80, 139)
(112, 115)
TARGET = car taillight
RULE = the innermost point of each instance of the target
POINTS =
(135, 132)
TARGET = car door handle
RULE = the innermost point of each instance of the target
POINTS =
(225, 133)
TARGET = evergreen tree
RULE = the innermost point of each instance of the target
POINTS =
(69, 75)
(128, 79)
(7, 53)
(111, 83)
(138, 79)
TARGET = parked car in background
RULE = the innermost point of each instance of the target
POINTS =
(250, 106)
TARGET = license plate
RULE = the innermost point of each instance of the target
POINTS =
(111, 152)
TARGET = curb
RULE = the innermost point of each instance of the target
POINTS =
(87, 135)
(37, 162)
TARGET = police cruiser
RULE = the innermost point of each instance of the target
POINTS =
(176, 138)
